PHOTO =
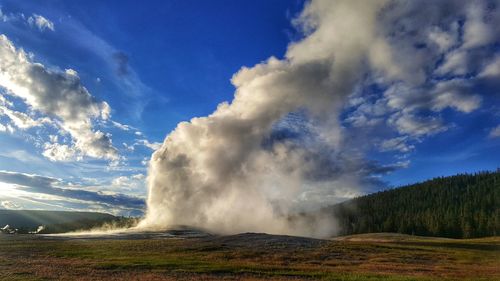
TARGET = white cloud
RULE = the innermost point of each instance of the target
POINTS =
(129, 147)
(54, 138)
(442, 38)
(397, 144)
(366, 113)
(5, 102)
(476, 31)
(495, 132)
(9, 205)
(8, 17)
(142, 142)
(150, 145)
(121, 126)
(36, 21)
(362, 120)
(492, 68)
(455, 63)
(456, 94)
(59, 152)
(131, 184)
(408, 106)
(58, 95)
(41, 22)
(405, 104)
(22, 120)
(417, 126)
(10, 129)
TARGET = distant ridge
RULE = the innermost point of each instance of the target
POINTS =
(31, 219)
(460, 206)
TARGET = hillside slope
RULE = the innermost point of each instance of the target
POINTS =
(58, 221)
(461, 206)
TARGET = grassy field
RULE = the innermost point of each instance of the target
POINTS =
(250, 257)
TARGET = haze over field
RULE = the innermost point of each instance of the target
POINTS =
(327, 100)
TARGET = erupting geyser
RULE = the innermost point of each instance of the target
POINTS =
(226, 173)
(235, 171)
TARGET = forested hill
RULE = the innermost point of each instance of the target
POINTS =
(53, 221)
(461, 206)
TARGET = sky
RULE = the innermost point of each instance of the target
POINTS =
(90, 89)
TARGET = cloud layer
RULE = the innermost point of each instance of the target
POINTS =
(108, 202)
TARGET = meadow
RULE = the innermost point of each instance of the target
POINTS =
(250, 257)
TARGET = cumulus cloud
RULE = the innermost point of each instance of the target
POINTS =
(242, 168)
(59, 96)
(477, 31)
(59, 152)
(40, 22)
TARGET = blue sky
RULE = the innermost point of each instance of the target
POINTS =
(118, 76)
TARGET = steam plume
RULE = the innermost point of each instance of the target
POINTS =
(215, 172)
(233, 170)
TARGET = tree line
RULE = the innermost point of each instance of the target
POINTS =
(461, 206)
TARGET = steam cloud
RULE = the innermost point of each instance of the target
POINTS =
(278, 148)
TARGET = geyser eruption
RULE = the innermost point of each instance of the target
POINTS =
(237, 170)
(225, 172)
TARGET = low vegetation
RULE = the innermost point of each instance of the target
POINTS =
(250, 257)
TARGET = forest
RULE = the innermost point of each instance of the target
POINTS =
(460, 206)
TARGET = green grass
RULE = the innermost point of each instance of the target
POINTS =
(26, 258)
